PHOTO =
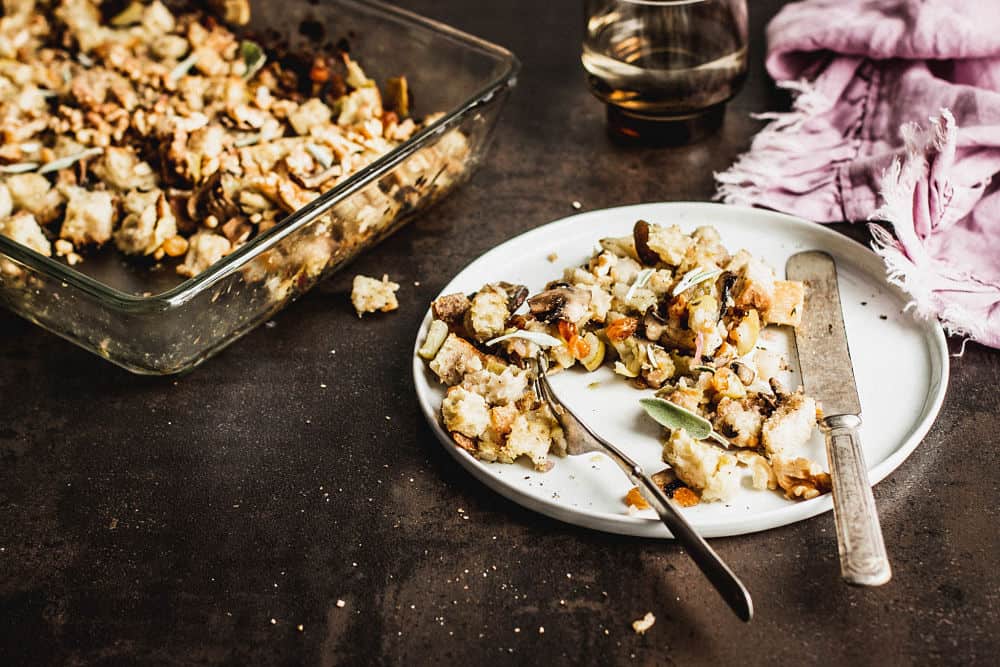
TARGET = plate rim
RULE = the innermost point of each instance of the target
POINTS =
(647, 526)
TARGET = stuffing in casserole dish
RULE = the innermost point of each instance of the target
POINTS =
(169, 137)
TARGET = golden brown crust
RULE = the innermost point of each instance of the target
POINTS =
(451, 307)
(465, 442)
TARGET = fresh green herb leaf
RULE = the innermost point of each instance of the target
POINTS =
(694, 277)
(640, 281)
(18, 167)
(536, 337)
(703, 367)
(129, 16)
(182, 68)
(674, 417)
(70, 160)
(253, 56)
(248, 139)
(625, 371)
(651, 355)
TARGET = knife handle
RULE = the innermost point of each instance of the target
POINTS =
(863, 559)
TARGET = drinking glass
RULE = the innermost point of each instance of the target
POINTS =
(665, 68)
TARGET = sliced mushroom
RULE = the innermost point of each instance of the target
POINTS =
(653, 325)
(745, 373)
(726, 282)
(210, 198)
(768, 404)
(779, 390)
(641, 234)
(560, 303)
(516, 294)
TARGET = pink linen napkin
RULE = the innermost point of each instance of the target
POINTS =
(896, 118)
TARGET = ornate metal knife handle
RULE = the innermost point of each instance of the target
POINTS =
(863, 559)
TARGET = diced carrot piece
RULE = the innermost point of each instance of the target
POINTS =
(635, 499)
(621, 329)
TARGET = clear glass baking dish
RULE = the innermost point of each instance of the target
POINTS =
(154, 322)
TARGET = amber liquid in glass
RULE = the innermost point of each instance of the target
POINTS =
(665, 69)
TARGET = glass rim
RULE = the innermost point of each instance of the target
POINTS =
(663, 3)
(191, 287)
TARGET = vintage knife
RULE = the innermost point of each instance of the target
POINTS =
(827, 374)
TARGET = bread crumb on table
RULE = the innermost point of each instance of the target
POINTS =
(369, 295)
(645, 623)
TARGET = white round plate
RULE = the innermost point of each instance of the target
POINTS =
(901, 366)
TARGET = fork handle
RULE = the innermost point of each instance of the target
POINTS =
(729, 587)
(723, 579)
(863, 558)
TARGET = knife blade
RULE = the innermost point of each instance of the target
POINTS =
(828, 376)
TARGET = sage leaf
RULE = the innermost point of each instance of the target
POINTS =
(182, 68)
(536, 337)
(18, 167)
(248, 139)
(674, 417)
(70, 160)
(253, 56)
(129, 16)
(640, 281)
(694, 277)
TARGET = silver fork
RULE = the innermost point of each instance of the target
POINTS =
(581, 439)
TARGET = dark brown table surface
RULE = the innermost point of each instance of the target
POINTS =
(219, 517)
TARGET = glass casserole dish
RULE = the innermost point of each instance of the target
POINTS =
(154, 322)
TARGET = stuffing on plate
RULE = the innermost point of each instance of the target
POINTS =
(167, 136)
(667, 310)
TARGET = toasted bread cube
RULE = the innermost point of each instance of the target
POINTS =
(465, 412)
(739, 420)
(755, 286)
(23, 228)
(531, 435)
(786, 306)
(790, 426)
(487, 313)
(90, 216)
(454, 359)
(498, 388)
(701, 466)
(451, 307)
(670, 243)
